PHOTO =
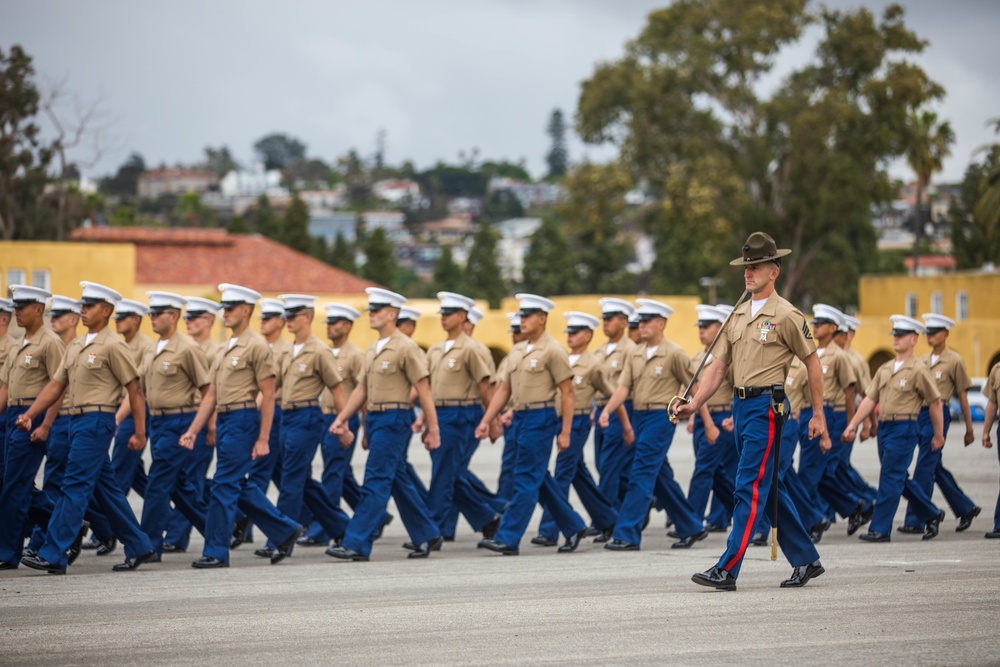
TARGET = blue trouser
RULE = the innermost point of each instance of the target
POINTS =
(127, 464)
(301, 433)
(930, 469)
(714, 468)
(178, 531)
(89, 473)
(818, 469)
(167, 480)
(805, 505)
(22, 460)
(533, 432)
(232, 491)
(996, 512)
(754, 431)
(508, 461)
(496, 503)
(267, 469)
(388, 436)
(896, 442)
(651, 473)
(614, 459)
(571, 469)
(449, 487)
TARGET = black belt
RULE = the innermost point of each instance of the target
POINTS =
(455, 402)
(382, 407)
(751, 392)
(295, 405)
(897, 418)
(87, 409)
(232, 407)
(183, 410)
(538, 405)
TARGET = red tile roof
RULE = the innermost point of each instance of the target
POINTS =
(211, 256)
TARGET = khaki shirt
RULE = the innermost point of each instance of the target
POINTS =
(613, 362)
(905, 391)
(656, 379)
(724, 394)
(456, 373)
(28, 368)
(760, 349)
(6, 346)
(949, 373)
(502, 373)
(173, 378)
(797, 385)
(308, 373)
(349, 360)
(534, 375)
(487, 354)
(992, 389)
(838, 374)
(238, 370)
(282, 351)
(210, 348)
(390, 374)
(588, 379)
(864, 373)
(96, 374)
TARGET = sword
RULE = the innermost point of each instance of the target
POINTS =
(777, 396)
(686, 396)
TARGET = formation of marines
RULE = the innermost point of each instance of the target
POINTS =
(765, 383)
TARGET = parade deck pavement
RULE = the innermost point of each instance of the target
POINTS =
(910, 602)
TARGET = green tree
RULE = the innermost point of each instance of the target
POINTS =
(295, 227)
(357, 179)
(279, 150)
(482, 271)
(380, 261)
(975, 218)
(262, 219)
(447, 274)
(342, 254)
(125, 182)
(191, 212)
(549, 266)
(929, 144)
(502, 205)
(808, 161)
(557, 158)
(220, 160)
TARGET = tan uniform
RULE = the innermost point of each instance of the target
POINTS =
(722, 399)
(390, 374)
(173, 377)
(455, 373)
(238, 370)
(95, 374)
(864, 373)
(949, 373)
(992, 389)
(307, 374)
(654, 380)
(902, 393)
(760, 349)
(534, 375)
(210, 348)
(28, 368)
(588, 379)
(282, 351)
(6, 346)
(797, 386)
(838, 374)
(612, 358)
(500, 374)
(349, 360)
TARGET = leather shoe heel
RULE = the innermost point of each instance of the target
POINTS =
(39, 563)
(872, 536)
(933, 526)
(965, 520)
(208, 563)
(284, 550)
(686, 542)
(134, 563)
(74, 549)
(344, 553)
(572, 542)
(425, 549)
(498, 547)
(715, 577)
(543, 541)
(621, 545)
(802, 574)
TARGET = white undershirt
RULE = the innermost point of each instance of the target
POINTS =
(379, 344)
(160, 344)
(820, 351)
(573, 358)
(934, 358)
(529, 347)
(755, 307)
(90, 339)
(296, 348)
(896, 366)
(610, 348)
(448, 344)
(232, 341)
(336, 351)
(24, 343)
(650, 351)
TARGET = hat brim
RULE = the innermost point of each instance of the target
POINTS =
(576, 329)
(903, 332)
(742, 261)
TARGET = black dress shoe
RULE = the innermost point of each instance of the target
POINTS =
(169, 548)
(910, 530)
(859, 517)
(933, 526)
(306, 541)
(649, 512)
(343, 553)
(74, 549)
(993, 534)
(448, 538)
(593, 531)
(410, 546)
(208, 563)
(872, 536)
(802, 574)
(714, 528)
(498, 547)
(673, 533)
(381, 529)
(7, 565)
(489, 531)
(28, 551)
(715, 577)
(621, 545)
(92, 543)
(572, 542)
(284, 550)
(686, 542)
(424, 550)
(605, 536)
(543, 541)
(107, 547)
(134, 563)
(759, 540)
(264, 552)
(39, 563)
(965, 520)
(239, 533)
(816, 532)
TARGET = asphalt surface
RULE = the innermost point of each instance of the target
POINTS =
(910, 602)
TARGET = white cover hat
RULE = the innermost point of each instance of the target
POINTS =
(575, 321)
(196, 304)
(649, 307)
(534, 302)
(296, 302)
(131, 307)
(339, 311)
(708, 313)
(852, 322)
(822, 311)
(454, 300)
(937, 321)
(236, 294)
(64, 304)
(7, 305)
(160, 300)
(475, 316)
(901, 324)
(271, 308)
(611, 306)
(515, 321)
(407, 313)
(22, 295)
(633, 320)
(383, 297)
(96, 293)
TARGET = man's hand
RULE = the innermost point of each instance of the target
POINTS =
(210, 437)
(562, 441)
(712, 433)
(866, 432)
(346, 439)
(690, 426)
(817, 428)
(969, 437)
(849, 433)
(987, 443)
(482, 430)
(137, 442)
(727, 425)
(23, 422)
(260, 449)
(507, 418)
(39, 435)
(187, 440)
(432, 439)
(604, 419)
(628, 436)
(338, 427)
(418, 425)
(937, 442)
(682, 410)
(496, 430)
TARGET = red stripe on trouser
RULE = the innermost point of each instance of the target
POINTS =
(752, 520)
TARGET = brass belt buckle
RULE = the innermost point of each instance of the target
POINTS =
(741, 392)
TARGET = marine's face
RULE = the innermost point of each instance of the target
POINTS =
(758, 277)
(706, 334)
(904, 342)
(614, 324)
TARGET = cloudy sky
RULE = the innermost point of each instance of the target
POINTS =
(439, 76)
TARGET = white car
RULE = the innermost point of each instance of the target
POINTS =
(977, 402)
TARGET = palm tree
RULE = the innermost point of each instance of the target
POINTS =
(930, 144)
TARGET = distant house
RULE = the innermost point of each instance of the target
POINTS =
(529, 194)
(452, 229)
(515, 239)
(252, 184)
(159, 182)
(396, 190)
(329, 199)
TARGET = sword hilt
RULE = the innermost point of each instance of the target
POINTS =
(774, 543)
(671, 406)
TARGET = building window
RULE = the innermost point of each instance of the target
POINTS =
(911, 304)
(15, 277)
(961, 305)
(937, 303)
(41, 278)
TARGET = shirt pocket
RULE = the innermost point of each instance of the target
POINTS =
(534, 376)
(386, 367)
